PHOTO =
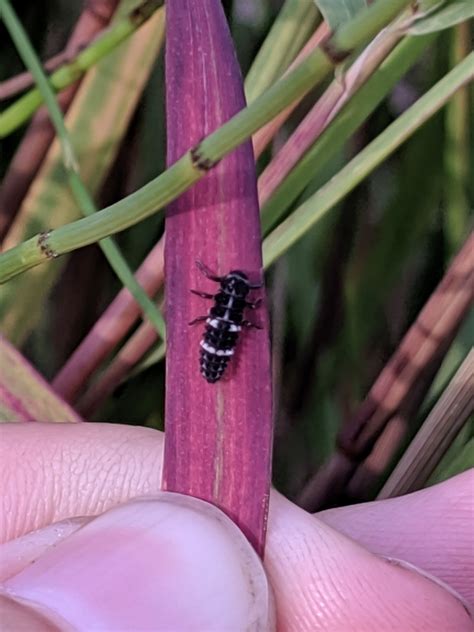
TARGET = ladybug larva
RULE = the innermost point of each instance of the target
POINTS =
(224, 321)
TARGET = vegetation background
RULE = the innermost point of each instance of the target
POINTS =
(342, 298)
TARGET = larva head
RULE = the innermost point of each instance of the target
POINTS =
(236, 282)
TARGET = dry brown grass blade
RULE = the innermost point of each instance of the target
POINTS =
(425, 342)
(126, 359)
(40, 134)
(435, 436)
(368, 476)
(108, 331)
(80, 38)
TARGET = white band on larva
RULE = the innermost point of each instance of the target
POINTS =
(213, 322)
(207, 347)
(216, 322)
(225, 352)
(213, 351)
(223, 321)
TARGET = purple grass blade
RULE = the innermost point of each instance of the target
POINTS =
(218, 436)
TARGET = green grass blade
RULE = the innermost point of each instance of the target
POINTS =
(366, 161)
(336, 12)
(456, 153)
(287, 35)
(22, 109)
(452, 465)
(346, 122)
(97, 122)
(186, 171)
(82, 195)
(446, 14)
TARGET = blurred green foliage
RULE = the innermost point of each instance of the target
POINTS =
(344, 295)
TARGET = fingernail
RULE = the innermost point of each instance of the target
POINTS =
(19, 614)
(19, 553)
(439, 582)
(163, 563)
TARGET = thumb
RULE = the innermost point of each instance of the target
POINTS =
(164, 563)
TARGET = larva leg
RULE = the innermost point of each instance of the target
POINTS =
(197, 320)
(207, 272)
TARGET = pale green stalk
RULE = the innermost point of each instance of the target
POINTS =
(459, 458)
(185, 172)
(289, 32)
(456, 152)
(22, 109)
(344, 124)
(289, 231)
(309, 213)
(84, 199)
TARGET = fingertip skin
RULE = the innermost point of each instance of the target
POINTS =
(51, 472)
(320, 577)
(324, 581)
(430, 528)
(154, 563)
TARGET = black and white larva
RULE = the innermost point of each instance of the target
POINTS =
(224, 321)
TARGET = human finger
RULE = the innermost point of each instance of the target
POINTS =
(431, 528)
(323, 580)
(168, 562)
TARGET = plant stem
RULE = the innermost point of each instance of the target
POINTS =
(403, 380)
(289, 231)
(22, 109)
(185, 172)
(438, 431)
(84, 199)
(305, 76)
(265, 134)
(37, 139)
(11, 87)
(288, 33)
(277, 193)
(456, 151)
